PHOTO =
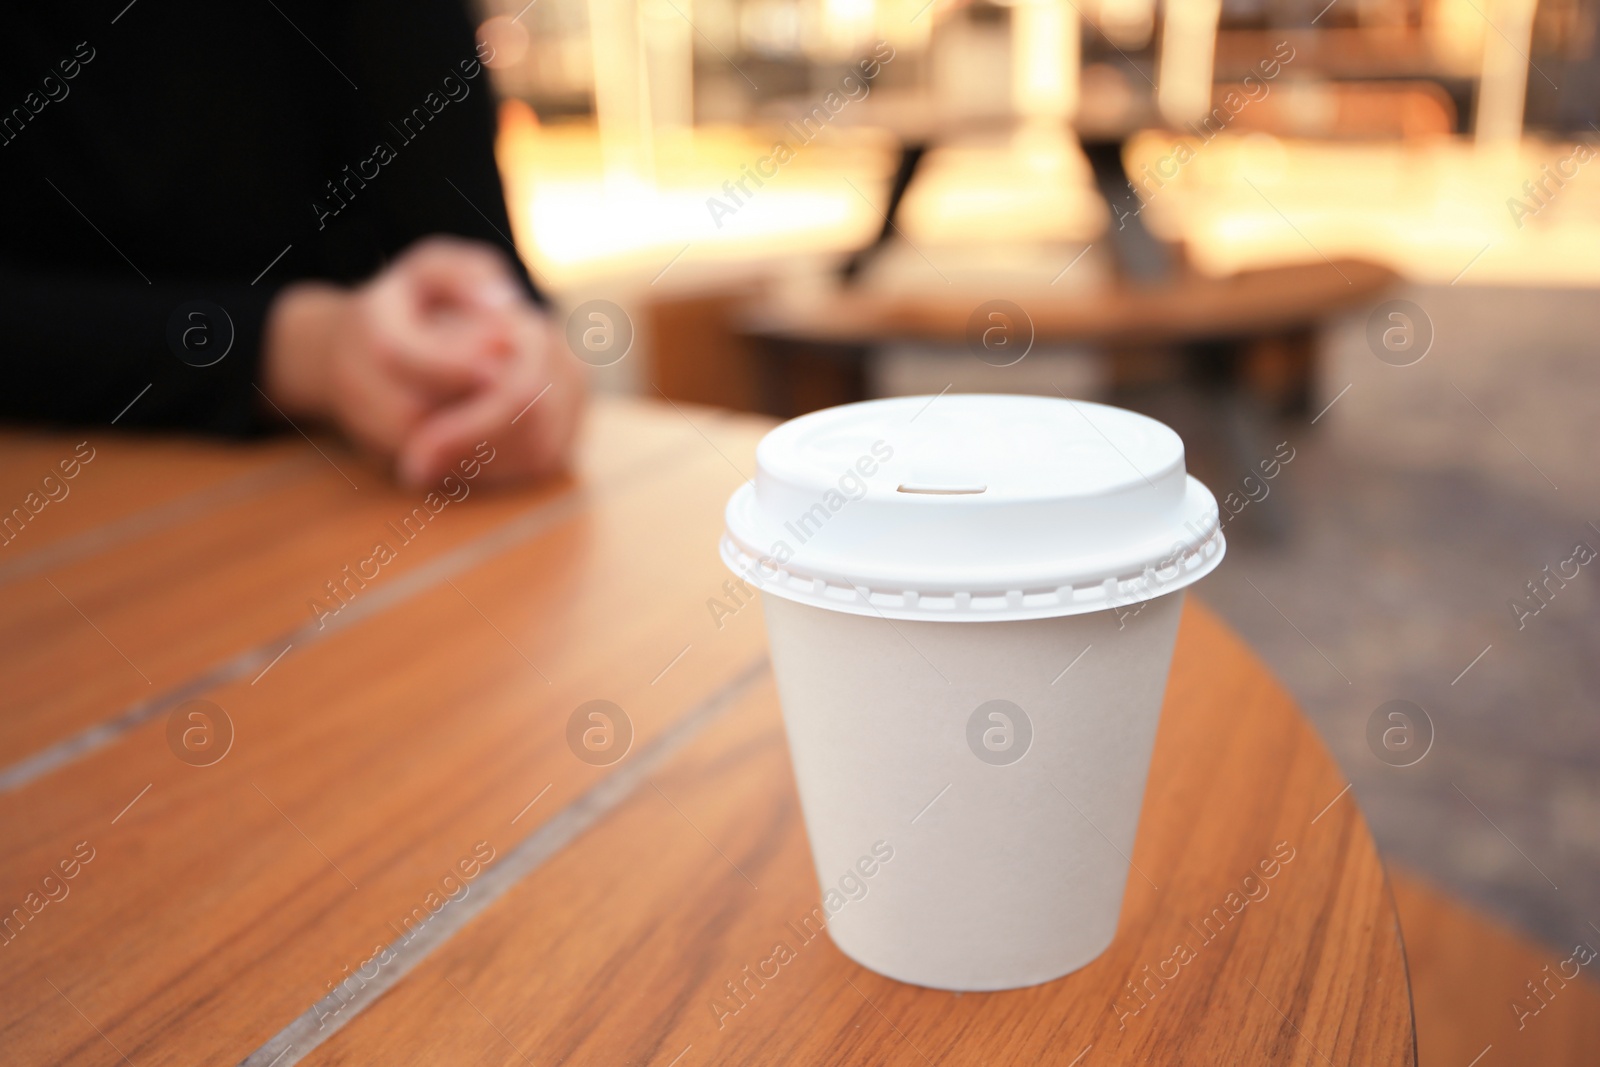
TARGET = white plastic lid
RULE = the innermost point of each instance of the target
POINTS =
(968, 508)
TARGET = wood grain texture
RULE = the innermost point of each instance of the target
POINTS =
(222, 901)
(621, 950)
(217, 907)
(1469, 982)
(126, 624)
(126, 476)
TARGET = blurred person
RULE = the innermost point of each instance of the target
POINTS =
(284, 210)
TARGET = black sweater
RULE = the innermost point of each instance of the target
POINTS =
(163, 159)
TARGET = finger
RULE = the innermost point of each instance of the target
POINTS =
(451, 432)
(533, 418)
(442, 355)
(542, 437)
(532, 410)
(449, 272)
(453, 357)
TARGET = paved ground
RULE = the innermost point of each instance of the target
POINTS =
(1414, 512)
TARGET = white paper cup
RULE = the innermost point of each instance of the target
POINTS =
(971, 727)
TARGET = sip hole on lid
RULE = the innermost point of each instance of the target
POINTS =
(942, 490)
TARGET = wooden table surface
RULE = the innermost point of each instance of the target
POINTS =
(374, 843)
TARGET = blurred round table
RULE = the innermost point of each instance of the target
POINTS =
(1214, 323)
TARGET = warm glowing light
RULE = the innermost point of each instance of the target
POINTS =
(847, 24)
(621, 100)
(1427, 209)
(1034, 188)
(574, 222)
(1044, 63)
(772, 27)
(1127, 23)
(1456, 29)
(1188, 42)
(1504, 82)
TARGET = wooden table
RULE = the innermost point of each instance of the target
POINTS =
(1251, 332)
(1195, 308)
(397, 857)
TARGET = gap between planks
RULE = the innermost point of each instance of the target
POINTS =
(515, 531)
(310, 1029)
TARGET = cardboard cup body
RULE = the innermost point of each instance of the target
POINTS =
(972, 802)
(971, 603)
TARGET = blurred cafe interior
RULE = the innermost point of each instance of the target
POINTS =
(1208, 210)
(1348, 249)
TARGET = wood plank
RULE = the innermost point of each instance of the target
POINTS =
(130, 484)
(1469, 983)
(222, 902)
(134, 625)
(625, 947)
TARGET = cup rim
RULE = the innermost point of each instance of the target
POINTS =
(852, 597)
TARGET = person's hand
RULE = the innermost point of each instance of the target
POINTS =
(529, 411)
(431, 357)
